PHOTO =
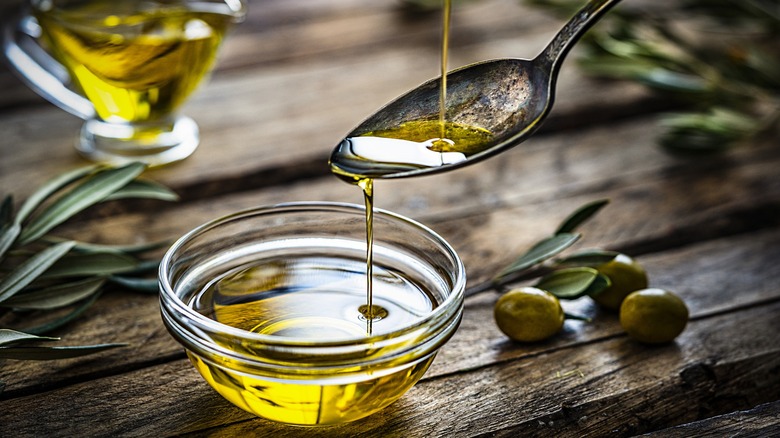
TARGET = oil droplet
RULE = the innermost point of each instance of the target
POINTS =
(374, 313)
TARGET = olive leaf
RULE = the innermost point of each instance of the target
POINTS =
(590, 258)
(705, 131)
(619, 68)
(720, 120)
(8, 336)
(581, 215)
(541, 251)
(143, 189)
(61, 273)
(102, 248)
(674, 81)
(56, 296)
(599, 285)
(9, 230)
(52, 353)
(76, 265)
(52, 187)
(573, 283)
(728, 81)
(31, 268)
(94, 189)
(8, 235)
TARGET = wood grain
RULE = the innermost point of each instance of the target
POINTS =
(297, 76)
(763, 420)
(716, 361)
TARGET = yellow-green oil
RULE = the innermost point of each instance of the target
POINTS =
(411, 146)
(134, 66)
(310, 403)
(454, 137)
(313, 299)
(445, 43)
(369, 310)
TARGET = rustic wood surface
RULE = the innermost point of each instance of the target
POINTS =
(298, 75)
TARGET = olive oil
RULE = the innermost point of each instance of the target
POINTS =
(312, 299)
(135, 61)
(311, 403)
(369, 309)
(411, 145)
(445, 42)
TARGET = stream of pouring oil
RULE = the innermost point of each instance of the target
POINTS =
(406, 133)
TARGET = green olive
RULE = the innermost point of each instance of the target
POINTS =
(625, 275)
(653, 316)
(528, 314)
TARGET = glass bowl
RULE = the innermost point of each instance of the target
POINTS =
(266, 303)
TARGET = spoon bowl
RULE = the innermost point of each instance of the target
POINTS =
(509, 98)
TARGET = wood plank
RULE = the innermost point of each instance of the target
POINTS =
(720, 363)
(763, 420)
(293, 31)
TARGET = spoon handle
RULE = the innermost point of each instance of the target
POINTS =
(556, 51)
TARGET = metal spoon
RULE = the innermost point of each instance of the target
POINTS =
(508, 97)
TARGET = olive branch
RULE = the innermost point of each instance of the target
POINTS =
(567, 278)
(719, 60)
(42, 274)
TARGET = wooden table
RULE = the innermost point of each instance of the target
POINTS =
(291, 82)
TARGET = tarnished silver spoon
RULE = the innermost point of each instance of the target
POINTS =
(509, 98)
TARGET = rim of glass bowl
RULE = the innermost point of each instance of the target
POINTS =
(178, 308)
(237, 8)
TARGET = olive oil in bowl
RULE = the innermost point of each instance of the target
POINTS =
(269, 304)
(313, 299)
